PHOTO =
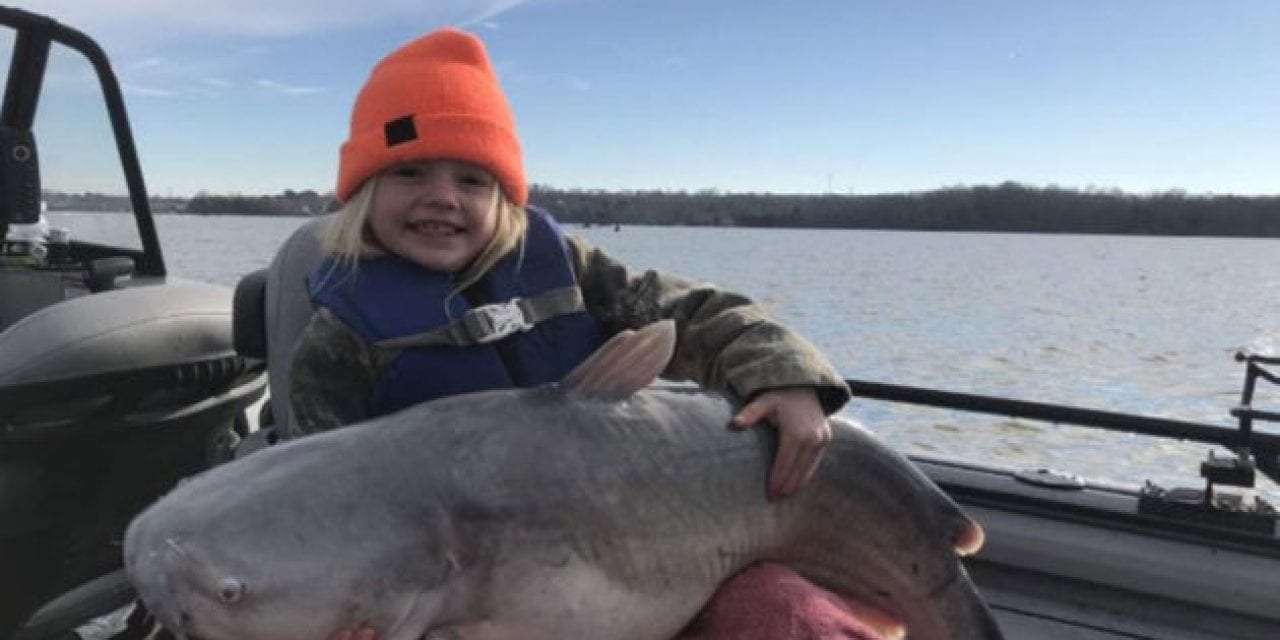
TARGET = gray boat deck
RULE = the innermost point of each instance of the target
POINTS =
(1034, 606)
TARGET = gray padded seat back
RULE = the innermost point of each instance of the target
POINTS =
(288, 309)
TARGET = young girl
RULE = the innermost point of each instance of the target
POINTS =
(440, 279)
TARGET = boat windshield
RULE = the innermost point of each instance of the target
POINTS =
(6, 45)
(83, 183)
(84, 190)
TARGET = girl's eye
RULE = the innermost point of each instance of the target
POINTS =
(407, 171)
(475, 180)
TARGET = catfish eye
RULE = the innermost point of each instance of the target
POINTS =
(230, 590)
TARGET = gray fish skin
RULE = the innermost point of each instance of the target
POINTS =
(540, 514)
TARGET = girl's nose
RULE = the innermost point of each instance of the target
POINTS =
(438, 191)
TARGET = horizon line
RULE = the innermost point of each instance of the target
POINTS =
(715, 191)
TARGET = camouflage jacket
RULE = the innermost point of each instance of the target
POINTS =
(726, 343)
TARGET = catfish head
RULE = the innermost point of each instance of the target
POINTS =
(233, 554)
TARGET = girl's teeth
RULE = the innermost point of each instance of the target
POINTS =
(433, 227)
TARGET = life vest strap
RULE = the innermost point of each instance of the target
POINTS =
(492, 322)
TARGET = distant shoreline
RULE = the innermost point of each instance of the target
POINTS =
(1008, 207)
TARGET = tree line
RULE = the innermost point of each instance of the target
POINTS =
(287, 203)
(1009, 206)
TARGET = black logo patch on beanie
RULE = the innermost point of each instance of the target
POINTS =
(399, 131)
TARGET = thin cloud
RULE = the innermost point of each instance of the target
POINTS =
(288, 89)
(489, 9)
(180, 73)
(153, 62)
(556, 80)
(577, 83)
(149, 92)
(168, 19)
(211, 87)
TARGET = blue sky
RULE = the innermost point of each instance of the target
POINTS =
(807, 96)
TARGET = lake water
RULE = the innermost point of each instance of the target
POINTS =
(1143, 325)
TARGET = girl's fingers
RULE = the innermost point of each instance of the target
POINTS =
(803, 436)
(753, 412)
(784, 463)
(802, 468)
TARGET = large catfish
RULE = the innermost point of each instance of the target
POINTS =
(592, 509)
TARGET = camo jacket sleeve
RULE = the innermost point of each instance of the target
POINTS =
(332, 377)
(726, 342)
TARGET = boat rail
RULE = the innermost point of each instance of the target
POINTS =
(1255, 368)
(1251, 451)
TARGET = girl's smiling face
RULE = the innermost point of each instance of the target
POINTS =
(439, 214)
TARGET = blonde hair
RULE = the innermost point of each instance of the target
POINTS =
(349, 238)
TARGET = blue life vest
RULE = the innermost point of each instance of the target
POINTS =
(390, 297)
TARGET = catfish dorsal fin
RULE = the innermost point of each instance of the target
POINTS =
(628, 362)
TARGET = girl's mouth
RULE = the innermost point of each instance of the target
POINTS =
(434, 228)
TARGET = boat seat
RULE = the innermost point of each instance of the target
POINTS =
(271, 308)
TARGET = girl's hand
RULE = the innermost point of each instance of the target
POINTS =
(803, 435)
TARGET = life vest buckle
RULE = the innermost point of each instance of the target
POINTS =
(493, 322)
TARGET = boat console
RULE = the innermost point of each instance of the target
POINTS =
(116, 380)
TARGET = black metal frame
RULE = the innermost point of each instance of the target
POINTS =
(1262, 449)
(1245, 514)
(35, 33)
(1256, 367)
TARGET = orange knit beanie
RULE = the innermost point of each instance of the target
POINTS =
(436, 97)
